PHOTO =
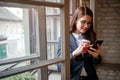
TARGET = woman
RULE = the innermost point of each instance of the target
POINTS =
(82, 56)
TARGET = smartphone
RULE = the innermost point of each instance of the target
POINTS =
(97, 42)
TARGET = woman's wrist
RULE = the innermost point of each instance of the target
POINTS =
(75, 54)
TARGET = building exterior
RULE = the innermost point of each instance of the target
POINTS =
(11, 29)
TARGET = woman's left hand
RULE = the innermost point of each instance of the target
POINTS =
(95, 52)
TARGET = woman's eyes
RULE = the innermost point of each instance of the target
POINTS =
(85, 22)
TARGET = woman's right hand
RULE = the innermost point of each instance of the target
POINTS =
(82, 48)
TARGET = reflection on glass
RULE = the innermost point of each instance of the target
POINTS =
(53, 73)
(17, 32)
(22, 76)
(53, 30)
(18, 37)
(53, 0)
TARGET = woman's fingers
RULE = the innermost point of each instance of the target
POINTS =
(94, 52)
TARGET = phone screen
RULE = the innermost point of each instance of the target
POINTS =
(97, 42)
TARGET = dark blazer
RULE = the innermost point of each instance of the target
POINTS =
(76, 64)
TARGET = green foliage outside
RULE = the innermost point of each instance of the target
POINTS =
(23, 76)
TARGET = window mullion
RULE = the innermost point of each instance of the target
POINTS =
(65, 41)
(42, 42)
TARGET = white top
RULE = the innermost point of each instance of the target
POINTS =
(78, 38)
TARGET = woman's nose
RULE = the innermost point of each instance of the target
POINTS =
(86, 25)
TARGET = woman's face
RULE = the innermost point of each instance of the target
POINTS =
(83, 24)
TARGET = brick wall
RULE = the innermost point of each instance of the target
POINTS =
(108, 29)
(108, 71)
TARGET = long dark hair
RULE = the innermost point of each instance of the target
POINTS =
(79, 12)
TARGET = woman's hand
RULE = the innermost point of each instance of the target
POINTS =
(95, 52)
(82, 48)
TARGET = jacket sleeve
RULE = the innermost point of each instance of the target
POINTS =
(97, 60)
(59, 54)
(59, 48)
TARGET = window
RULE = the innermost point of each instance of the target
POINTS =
(29, 37)
(52, 30)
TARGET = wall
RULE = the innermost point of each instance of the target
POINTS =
(108, 29)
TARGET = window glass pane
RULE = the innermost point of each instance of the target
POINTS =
(71, 7)
(19, 37)
(17, 32)
(14, 65)
(54, 0)
(53, 30)
(22, 76)
(53, 74)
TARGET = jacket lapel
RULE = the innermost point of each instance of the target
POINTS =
(73, 43)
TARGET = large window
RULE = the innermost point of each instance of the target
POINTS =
(29, 36)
